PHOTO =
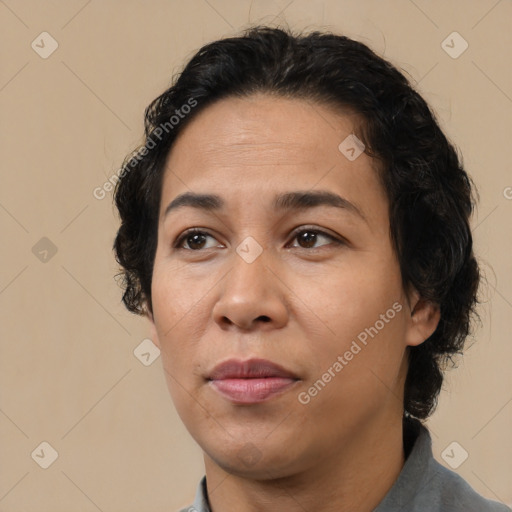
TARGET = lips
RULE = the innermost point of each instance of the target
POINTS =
(251, 369)
(252, 381)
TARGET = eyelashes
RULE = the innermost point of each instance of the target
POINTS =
(199, 232)
(188, 234)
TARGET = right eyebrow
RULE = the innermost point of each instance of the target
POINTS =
(209, 202)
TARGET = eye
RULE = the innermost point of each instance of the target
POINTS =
(193, 237)
(309, 236)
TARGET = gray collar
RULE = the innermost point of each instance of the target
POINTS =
(423, 484)
(403, 489)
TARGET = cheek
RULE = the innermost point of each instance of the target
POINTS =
(352, 296)
(359, 312)
(351, 380)
(177, 321)
(172, 311)
(182, 311)
(175, 297)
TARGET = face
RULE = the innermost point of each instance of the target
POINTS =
(291, 263)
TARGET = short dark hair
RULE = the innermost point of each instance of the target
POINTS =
(430, 194)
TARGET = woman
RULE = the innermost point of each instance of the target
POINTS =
(296, 230)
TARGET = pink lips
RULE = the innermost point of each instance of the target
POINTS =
(252, 381)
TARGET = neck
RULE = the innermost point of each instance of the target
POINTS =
(357, 476)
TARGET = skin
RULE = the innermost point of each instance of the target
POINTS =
(300, 304)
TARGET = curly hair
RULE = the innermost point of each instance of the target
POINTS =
(430, 194)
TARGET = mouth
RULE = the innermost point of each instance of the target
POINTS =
(252, 381)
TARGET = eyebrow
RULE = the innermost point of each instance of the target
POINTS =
(288, 201)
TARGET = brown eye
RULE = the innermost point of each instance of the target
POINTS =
(194, 238)
(308, 237)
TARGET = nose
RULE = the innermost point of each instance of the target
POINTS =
(252, 296)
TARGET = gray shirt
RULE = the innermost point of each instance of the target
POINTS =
(423, 485)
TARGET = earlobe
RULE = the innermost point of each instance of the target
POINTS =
(425, 316)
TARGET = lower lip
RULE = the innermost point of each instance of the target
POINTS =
(252, 391)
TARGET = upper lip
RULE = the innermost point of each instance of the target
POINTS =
(250, 369)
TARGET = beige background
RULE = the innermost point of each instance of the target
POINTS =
(69, 376)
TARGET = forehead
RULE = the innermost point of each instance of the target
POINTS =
(261, 125)
(248, 147)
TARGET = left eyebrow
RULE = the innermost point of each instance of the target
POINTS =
(300, 201)
(288, 201)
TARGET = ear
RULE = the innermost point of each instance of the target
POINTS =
(423, 321)
(152, 329)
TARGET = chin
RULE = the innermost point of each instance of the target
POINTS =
(254, 461)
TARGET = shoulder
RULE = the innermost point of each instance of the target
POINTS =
(425, 484)
(450, 492)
